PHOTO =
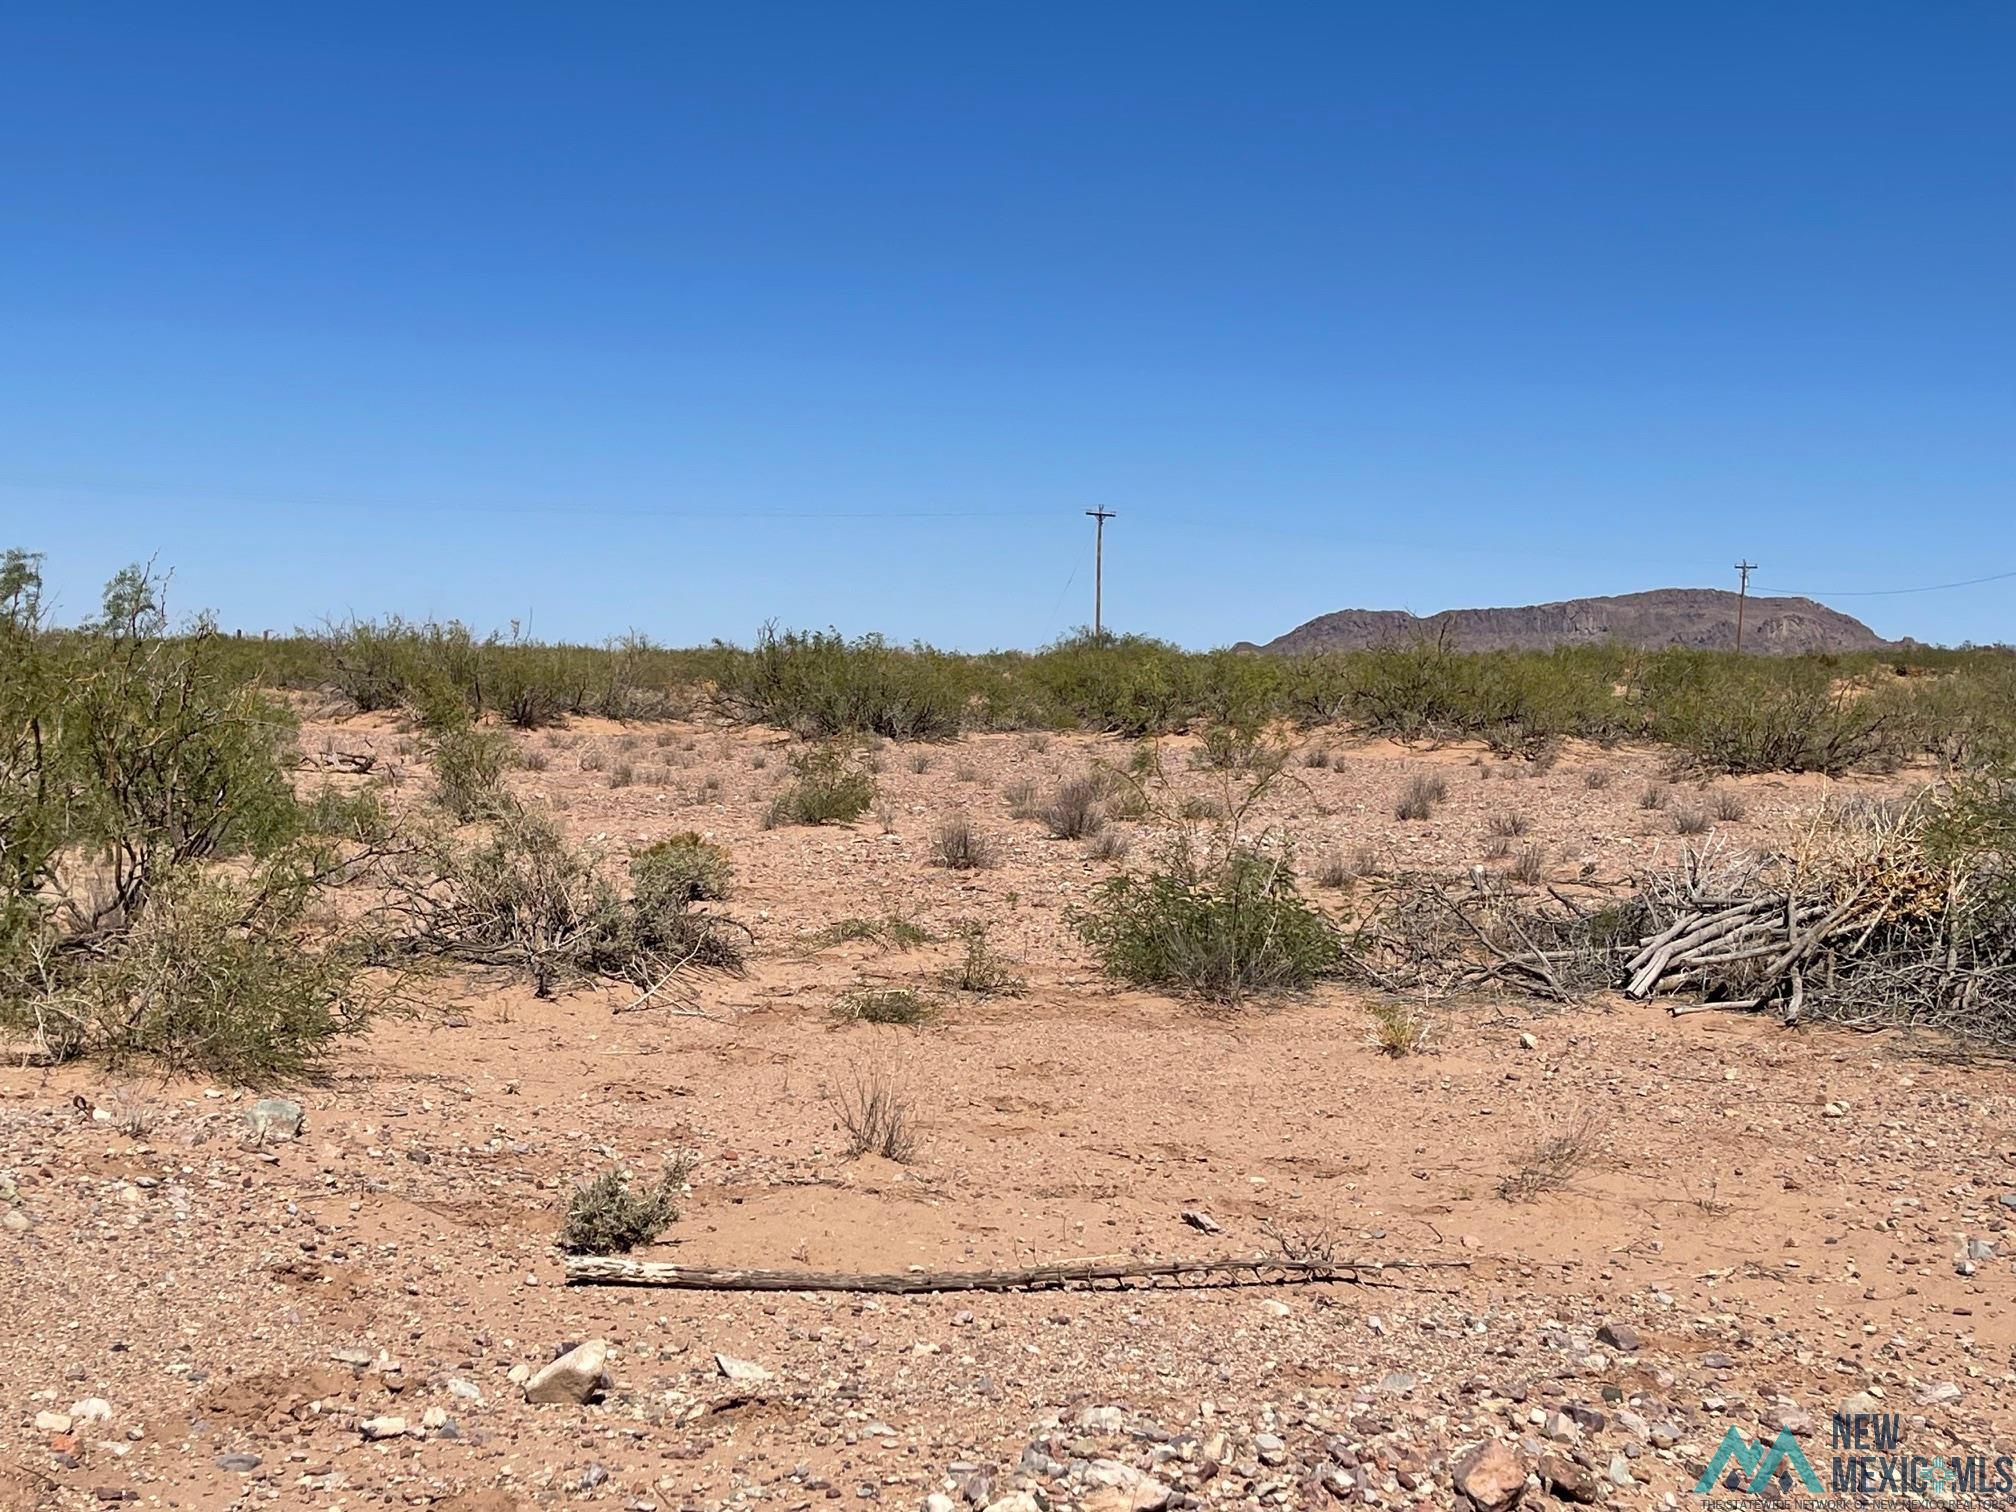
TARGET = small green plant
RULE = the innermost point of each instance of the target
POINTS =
(890, 933)
(830, 786)
(1397, 1029)
(611, 1215)
(959, 845)
(982, 969)
(884, 1005)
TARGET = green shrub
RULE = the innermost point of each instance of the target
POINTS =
(1233, 928)
(526, 900)
(469, 767)
(678, 870)
(215, 979)
(610, 1216)
(831, 786)
(1750, 715)
(823, 685)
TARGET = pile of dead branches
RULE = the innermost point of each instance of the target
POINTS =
(1425, 935)
(1871, 916)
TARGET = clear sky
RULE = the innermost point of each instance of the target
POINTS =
(686, 318)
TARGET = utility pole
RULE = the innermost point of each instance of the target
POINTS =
(1099, 567)
(1745, 567)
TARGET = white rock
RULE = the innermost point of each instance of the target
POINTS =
(382, 1427)
(574, 1377)
(52, 1422)
(92, 1410)
(740, 1370)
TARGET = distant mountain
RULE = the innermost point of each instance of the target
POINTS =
(1702, 618)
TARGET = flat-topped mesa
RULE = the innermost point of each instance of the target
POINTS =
(1696, 618)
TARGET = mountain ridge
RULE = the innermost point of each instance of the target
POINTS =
(1694, 618)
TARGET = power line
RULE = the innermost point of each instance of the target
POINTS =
(1993, 577)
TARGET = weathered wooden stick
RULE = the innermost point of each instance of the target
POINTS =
(611, 1270)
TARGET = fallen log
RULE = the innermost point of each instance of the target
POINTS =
(611, 1270)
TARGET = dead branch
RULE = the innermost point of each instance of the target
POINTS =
(1258, 1270)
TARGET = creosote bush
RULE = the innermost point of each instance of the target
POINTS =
(611, 1215)
(469, 767)
(158, 876)
(1225, 929)
(830, 786)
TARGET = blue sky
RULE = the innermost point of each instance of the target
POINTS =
(683, 319)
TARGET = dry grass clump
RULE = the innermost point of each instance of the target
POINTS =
(872, 1106)
(1419, 798)
(1530, 866)
(1596, 778)
(1109, 845)
(1510, 826)
(959, 845)
(1073, 811)
(1690, 821)
(1728, 806)
(892, 932)
(1654, 796)
(884, 1005)
(1554, 1162)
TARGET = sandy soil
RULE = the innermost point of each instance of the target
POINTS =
(1771, 1224)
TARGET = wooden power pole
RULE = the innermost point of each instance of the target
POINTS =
(1101, 516)
(1744, 569)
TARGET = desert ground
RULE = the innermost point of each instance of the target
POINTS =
(1764, 1227)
